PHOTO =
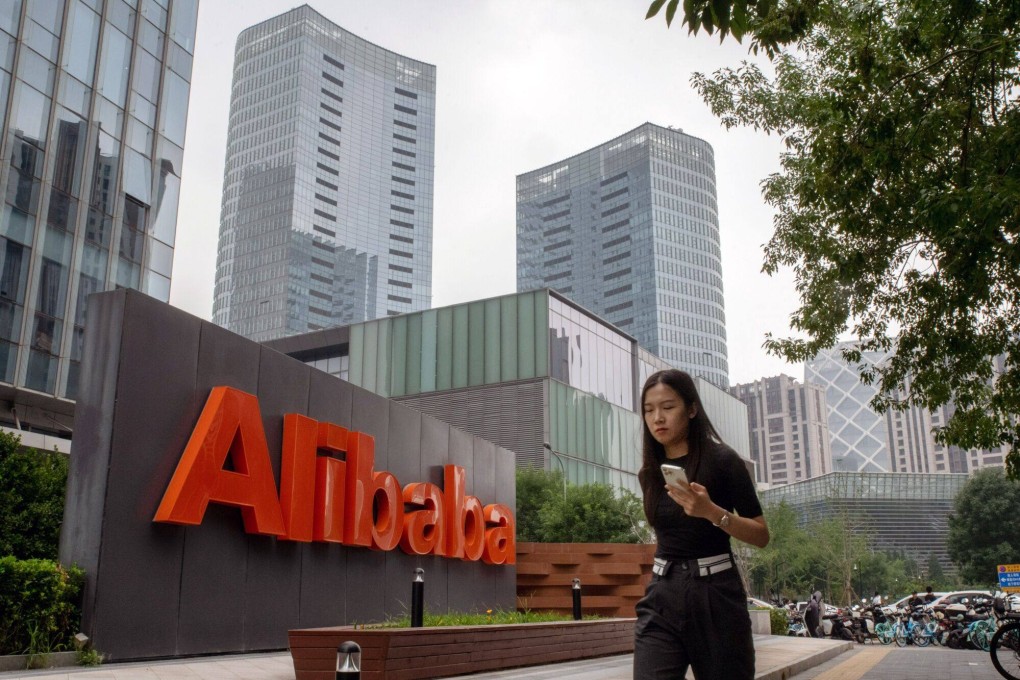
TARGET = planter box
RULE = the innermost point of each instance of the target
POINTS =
(613, 576)
(444, 651)
(20, 662)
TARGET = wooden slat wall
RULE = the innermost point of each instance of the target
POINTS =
(613, 576)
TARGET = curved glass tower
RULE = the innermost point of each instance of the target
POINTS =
(327, 194)
(630, 230)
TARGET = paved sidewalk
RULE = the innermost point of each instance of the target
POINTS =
(877, 662)
(777, 658)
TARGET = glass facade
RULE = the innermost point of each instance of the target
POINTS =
(860, 436)
(630, 230)
(532, 372)
(93, 107)
(328, 186)
(901, 512)
(898, 441)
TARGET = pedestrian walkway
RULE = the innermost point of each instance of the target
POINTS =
(874, 662)
(777, 657)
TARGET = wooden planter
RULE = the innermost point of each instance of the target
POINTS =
(440, 652)
(613, 576)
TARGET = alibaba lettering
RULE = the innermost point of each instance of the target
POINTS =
(325, 498)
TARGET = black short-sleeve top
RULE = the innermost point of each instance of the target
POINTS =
(723, 473)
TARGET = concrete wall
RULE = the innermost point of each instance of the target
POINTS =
(159, 590)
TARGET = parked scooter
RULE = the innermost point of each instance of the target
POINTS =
(835, 626)
(862, 625)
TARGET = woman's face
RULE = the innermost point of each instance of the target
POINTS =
(666, 415)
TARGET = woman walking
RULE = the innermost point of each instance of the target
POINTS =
(694, 613)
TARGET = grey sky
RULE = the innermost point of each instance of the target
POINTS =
(520, 84)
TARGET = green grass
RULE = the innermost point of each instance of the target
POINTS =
(486, 618)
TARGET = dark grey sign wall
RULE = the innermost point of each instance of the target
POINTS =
(159, 590)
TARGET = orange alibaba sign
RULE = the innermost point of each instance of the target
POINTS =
(324, 498)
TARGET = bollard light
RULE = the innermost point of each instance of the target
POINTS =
(577, 599)
(348, 661)
(418, 598)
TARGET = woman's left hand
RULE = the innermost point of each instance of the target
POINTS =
(693, 498)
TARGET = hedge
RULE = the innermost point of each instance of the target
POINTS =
(32, 485)
(41, 605)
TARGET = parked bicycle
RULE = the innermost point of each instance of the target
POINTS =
(1005, 644)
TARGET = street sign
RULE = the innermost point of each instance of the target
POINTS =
(1009, 577)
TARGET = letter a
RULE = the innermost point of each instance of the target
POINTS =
(230, 423)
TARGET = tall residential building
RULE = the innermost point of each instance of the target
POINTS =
(630, 230)
(327, 193)
(897, 441)
(789, 429)
(93, 107)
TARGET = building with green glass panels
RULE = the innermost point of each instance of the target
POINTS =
(532, 372)
(901, 512)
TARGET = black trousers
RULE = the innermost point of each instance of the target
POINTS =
(697, 621)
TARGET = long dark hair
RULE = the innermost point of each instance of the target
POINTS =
(700, 433)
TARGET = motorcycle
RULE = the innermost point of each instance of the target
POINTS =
(835, 626)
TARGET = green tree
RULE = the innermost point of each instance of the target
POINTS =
(535, 487)
(843, 545)
(897, 199)
(589, 513)
(936, 576)
(983, 531)
(783, 566)
(32, 486)
(770, 23)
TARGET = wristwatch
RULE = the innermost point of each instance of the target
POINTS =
(723, 522)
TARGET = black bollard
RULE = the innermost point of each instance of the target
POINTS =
(418, 598)
(577, 599)
(348, 661)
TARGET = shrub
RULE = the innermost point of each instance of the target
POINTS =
(32, 486)
(41, 605)
(778, 621)
(549, 511)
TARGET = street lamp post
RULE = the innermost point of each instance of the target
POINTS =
(563, 468)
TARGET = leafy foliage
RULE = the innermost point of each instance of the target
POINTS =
(832, 556)
(32, 485)
(779, 624)
(897, 200)
(535, 488)
(41, 605)
(550, 512)
(770, 23)
(983, 531)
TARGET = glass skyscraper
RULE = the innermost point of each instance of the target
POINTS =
(327, 194)
(630, 230)
(93, 108)
(896, 441)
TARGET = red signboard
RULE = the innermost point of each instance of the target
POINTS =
(326, 498)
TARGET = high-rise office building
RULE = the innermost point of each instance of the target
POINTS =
(630, 230)
(93, 108)
(789, 429)
(897, 441)
(327, 193)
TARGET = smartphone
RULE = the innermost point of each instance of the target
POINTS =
(674, 474)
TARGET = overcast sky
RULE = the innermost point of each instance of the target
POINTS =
(520, 84)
